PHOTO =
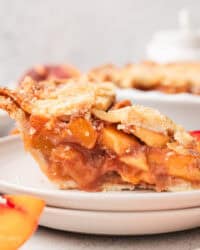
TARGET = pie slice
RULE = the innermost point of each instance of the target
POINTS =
(83, 139)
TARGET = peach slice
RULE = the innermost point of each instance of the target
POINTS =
(166, 162)
(19, 216)
(83, 132)
(137, 160)
(134, 175)
(151, 138)
(183, 166)
(117, 141)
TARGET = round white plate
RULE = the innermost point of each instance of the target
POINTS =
(20, 174)
(182, 108)
(121, 223)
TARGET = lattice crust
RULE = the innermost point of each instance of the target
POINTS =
(79, 96)
(58, 99)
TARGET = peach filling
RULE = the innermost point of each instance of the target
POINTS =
(86, 151)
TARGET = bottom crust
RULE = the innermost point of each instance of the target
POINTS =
(106, 187)
(67, 185)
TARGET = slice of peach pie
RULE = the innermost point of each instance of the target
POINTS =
(83, 139)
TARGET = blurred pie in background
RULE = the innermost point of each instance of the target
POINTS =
(172, 78)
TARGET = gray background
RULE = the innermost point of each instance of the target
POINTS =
(82, 32)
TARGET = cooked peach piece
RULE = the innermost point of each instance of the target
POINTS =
(40, 142)
(83, 132)
(151, 138)
(18, 219)
(117, 141)
(134, 175)
(184, 166)
(137, 160)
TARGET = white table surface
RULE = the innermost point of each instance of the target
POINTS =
(49, 239)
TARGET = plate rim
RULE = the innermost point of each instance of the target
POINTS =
(128, 221)
(52, 209)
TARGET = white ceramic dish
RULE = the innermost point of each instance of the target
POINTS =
(6, 123)
(182, 108)
(121, 223)
(20, 174)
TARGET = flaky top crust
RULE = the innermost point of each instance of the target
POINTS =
(57, 99)
(50, 99)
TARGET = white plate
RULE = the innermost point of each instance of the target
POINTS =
(20, 174)
(182, 108)
(121, 223)
(6, 123)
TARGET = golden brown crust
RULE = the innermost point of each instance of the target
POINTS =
(147, 118)
(66, 99)
(10, 102)
(95, 98)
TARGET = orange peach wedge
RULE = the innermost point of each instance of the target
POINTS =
(19, 216)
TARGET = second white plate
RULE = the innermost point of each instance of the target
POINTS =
(121, 223)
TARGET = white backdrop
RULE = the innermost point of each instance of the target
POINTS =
(82, 32)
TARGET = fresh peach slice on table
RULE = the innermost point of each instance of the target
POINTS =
(19, 216)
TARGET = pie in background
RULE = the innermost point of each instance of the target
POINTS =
(169, 78)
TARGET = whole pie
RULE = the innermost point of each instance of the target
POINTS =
(169, 78)
(84, 139)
